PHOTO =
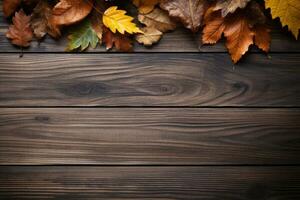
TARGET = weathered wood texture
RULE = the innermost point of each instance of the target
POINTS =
(226, 183)
(149, 80)
(149, 136)
(180, 40)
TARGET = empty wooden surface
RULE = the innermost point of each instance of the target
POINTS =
(175, 121)
(149, 80)
(226, 183)
(190, 136)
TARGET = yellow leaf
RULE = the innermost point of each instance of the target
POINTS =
(117, 20)
(288, 11)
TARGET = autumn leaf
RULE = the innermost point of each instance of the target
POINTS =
(10, 6)
(230, 6)
(121, 42)
(68, 12)
(240, 30)
(288, 12)
(117, 20)
(149, 36)
(189, 12)
(145, 6)
(20, 32)
(82, 36)
(40, 21)
(262, 37)
(158, 19)
(238, 36)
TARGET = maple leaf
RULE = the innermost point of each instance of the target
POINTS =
(150, 36)
(82, 36)
(68, 12)
(10, 6)
(145, 6)
(229, 6)
(240, 30)
(288, 11)
(40, 21)
(121, 42)
(189, 12)
(20, 32)
(117, 20)
(158, 19)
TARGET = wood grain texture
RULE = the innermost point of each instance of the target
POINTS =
(133, 136)
(149, 80)
(180, 40)
(226, 183)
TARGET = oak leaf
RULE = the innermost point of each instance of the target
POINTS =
(288, 12)
(189, 12)
(150, 36)
(20, 32)
(145, 6)
(158, 19)
(230, 6)
(117, 20)
(68, 12)
(121, 42)
(10, 6)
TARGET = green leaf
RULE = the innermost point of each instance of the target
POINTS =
(82, 36)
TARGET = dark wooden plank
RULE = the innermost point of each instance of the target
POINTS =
(149, 80)
(180, 40)
(238, 183)
(149, 136)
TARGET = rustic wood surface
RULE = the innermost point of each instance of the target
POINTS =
(73, 182)
(156, 136)
(175, 121)
(149, 80)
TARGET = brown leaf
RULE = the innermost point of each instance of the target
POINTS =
(239, 36)
(158, 19)
(189, 12)
(121, 42)
(262, 37)
(40, 21)
(145, 6)
(20, 32)
(230, 6)
(10, 6)
(241, 29)
(214, 27)
(68, 12)
(149, 36)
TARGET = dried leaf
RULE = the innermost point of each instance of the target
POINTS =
(230, 6)
(40, 21)
(150, 36)
(10, 6)
(158, 19)
(189, 12)
(68, 12)
(145, 6)
(20, 32)
(289, 13)
(117, 20)
(121, 42)
(240, 30)
(262, 37)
